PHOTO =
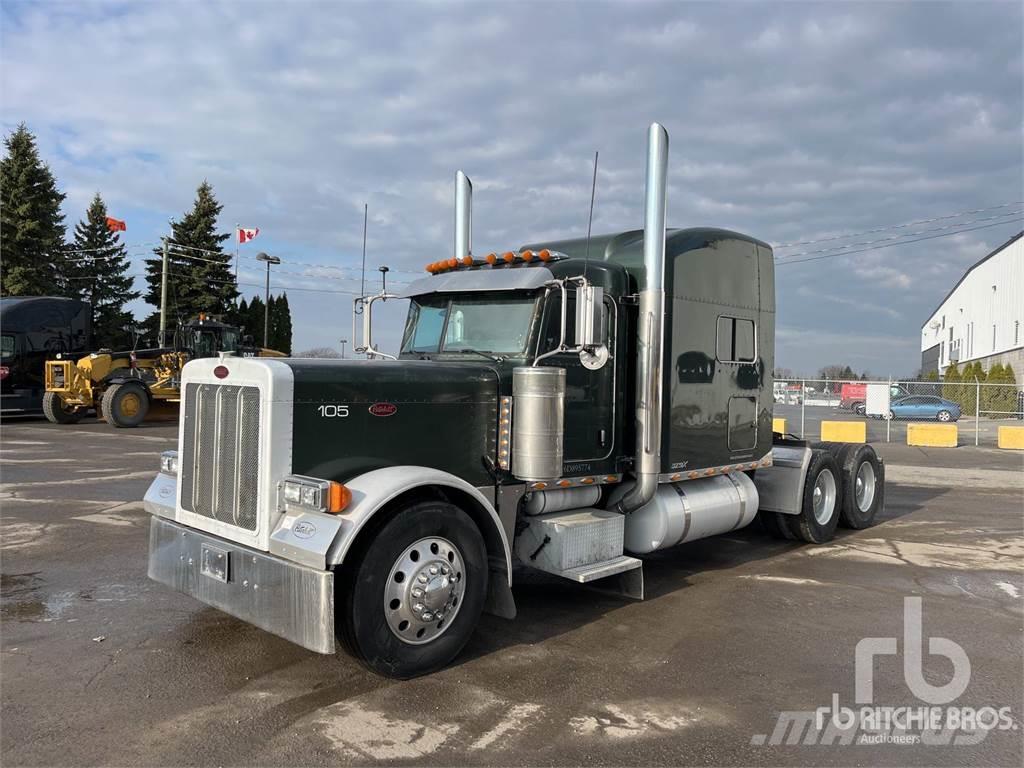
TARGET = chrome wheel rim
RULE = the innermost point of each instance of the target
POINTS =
(944, 416)
(424, 591)
(823, 499)
(864, 486)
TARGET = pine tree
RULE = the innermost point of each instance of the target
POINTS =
(200, 276)
(280, 324)
(254, 323)
(100, 276)
(30, 219)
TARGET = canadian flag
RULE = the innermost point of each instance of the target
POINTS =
(245, 235)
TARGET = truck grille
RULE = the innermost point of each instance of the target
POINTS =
(220, 453)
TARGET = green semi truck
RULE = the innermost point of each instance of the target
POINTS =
(567, 406)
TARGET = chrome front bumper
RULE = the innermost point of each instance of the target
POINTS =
(293, 601)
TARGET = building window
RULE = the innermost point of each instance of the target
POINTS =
(942, 353)
(943, 321)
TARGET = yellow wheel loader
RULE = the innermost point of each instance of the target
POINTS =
(126, 387)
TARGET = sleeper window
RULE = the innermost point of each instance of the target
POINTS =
(735, 340)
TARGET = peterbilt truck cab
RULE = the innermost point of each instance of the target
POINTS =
(567, 406)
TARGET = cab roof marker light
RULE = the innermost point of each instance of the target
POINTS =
(509, 257)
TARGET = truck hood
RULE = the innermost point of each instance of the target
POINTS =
(354, 416)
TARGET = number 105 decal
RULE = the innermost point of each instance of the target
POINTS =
(333, 411)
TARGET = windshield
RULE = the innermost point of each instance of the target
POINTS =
(455, 324)
(203, 344)
(229, 341)
(6, 346)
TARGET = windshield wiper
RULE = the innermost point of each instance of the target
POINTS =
(482, 352)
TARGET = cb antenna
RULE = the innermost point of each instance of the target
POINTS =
(590, 218)
(362, 274)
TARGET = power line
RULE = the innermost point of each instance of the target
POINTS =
(889, 245)
(897, 226)
(908, 234)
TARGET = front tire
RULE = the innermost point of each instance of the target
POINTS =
(944, 416)
(57, 413)
(411, 598)
(125, 405)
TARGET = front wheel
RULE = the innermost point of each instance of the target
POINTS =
(944, 416)
(125, 405)
(410, 599)
(859, 409)
(56, 412)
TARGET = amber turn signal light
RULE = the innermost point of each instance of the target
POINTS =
(338, 498)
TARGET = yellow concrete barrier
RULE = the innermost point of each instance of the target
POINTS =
(1010, 437)
(932, 435)
(779, 425)
(844, 431)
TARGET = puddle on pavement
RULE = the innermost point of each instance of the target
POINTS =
(24, 597)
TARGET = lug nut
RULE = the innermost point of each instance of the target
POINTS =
(417, 593)
(418, 607)
(444, 570)
(422, 578)
(427, 617)
(433, 570)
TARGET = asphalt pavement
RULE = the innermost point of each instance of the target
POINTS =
(101, 666)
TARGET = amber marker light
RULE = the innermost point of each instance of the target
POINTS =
(467, 261)
(492, 259)
(338, 498)
(527, 256)
(453, 263)
(509, 257)
(544, 255)
(564, 483)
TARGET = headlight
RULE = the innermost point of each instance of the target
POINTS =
(314, 494)
(169, 462)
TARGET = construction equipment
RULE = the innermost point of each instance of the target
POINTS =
(125, 387)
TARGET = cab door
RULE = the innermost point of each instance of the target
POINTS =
(590, 395)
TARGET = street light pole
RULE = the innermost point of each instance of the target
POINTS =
(266, 295)
(343, 343)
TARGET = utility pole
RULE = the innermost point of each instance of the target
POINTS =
(343, 343)
(266, 296)
(163, 298)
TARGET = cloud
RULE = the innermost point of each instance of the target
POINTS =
(790, 122)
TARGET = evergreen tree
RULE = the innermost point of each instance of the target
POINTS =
(30, 220)
(280, 324)
(200, 275)
(100, 276)
(254, 322)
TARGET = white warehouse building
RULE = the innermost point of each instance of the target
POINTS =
(981, 317)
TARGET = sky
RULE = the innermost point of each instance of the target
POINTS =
(787, 121)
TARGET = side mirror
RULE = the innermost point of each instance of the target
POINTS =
(590, 321)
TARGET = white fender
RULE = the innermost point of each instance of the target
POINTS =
(372, 490)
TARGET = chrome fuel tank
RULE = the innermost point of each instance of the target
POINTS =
(691, 510)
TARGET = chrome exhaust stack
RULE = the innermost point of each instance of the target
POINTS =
(463, 215)
(650, 328)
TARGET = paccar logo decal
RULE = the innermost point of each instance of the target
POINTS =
(383, 409)
(304, 529)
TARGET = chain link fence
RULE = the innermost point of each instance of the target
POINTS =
(887, 408)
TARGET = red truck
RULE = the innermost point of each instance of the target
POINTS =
(854, 395)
